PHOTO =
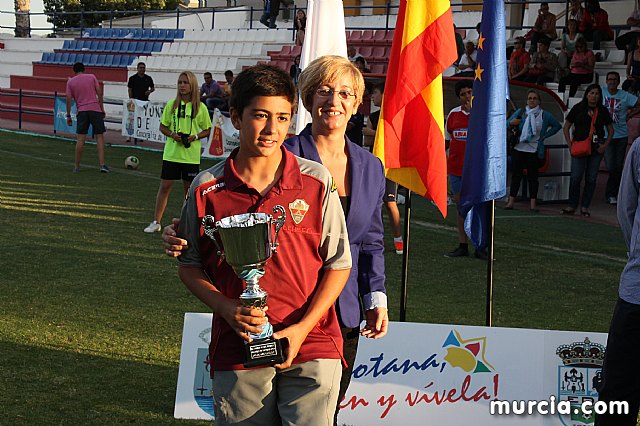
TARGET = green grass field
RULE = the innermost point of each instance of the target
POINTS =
(92, 310)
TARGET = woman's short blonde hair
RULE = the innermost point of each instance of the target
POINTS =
(327, 69)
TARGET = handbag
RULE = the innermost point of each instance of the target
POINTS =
(513, 135)
(582, 148)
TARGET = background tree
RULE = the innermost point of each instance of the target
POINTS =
(23, 23)
(87, 13)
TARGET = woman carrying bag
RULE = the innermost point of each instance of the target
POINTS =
(534, 126)
(589, 119)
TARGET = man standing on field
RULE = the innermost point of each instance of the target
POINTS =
(86, 91)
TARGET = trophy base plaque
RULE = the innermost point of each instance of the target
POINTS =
(263, 352)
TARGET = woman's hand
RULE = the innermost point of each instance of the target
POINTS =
(377, 322)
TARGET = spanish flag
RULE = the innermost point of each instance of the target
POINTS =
(410, 136)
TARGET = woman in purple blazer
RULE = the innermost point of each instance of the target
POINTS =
(331, 89)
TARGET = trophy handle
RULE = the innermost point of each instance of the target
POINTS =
(209, 227)
(279, 221)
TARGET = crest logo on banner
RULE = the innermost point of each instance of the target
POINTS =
(579, 378)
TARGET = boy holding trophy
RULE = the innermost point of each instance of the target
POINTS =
(290, 375)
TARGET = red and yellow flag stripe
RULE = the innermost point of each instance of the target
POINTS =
(410, 134)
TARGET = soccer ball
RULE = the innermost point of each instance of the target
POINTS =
(131, 162)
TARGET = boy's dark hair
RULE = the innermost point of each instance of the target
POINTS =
(614, 73)
(379, 86)
(228, 72)
(208, 74)
(463, 84)
(78, 67)
(260, 80)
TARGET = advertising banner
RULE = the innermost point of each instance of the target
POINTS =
(441, 374)
(60, 116)
(141, 120)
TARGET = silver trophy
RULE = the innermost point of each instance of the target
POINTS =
(247, 242)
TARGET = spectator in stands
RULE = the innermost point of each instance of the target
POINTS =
(211, 93)
(85, 90)
(185, 120)
(580, 118)
(140, 86)
(544, 27)
(622, 106)
(519, 61)
(575, 11)
(534, 125)
(226, 90)
(543, 65)
(353, 54)
(391, 188)
(467, 63)
(361, 64)
(294, 70)
(300, 24)
(568, 47)
(632, 83)
(457, 125)
(627, 40)
(459, 44)
(595, 24)
(581, 69)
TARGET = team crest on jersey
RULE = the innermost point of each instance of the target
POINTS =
(298, 209)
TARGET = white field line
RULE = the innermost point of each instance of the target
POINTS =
(540, 248)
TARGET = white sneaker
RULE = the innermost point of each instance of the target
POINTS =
(153, 227)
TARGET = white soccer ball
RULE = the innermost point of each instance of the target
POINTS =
(131, 162)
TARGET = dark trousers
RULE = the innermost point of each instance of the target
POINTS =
(350, 348)
(275, 10)
(597, 36)
(573, 80)
(614, 158)
(522, 161)
(621, 370)
(587, 167)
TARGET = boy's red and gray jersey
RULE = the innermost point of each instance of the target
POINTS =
(313, 239)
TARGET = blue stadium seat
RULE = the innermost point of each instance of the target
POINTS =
(100, 60)
(67, 44)
(130, 46)
(108, 46)
(157, 46)
(163, 34)
(148, 46)
(90, 60)
(101, 46)
(64, 59)
(93, 45)
(117, 46)
(179, 33)
(46, 57)
(138, 33)
(108, 60)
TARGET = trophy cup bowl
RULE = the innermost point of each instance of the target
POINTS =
(247, 242)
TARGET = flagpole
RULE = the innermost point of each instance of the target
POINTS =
(405, 258)
(489, 306)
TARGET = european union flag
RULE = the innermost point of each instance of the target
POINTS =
(484, 176)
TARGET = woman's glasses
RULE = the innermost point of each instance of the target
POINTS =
(342, 94)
